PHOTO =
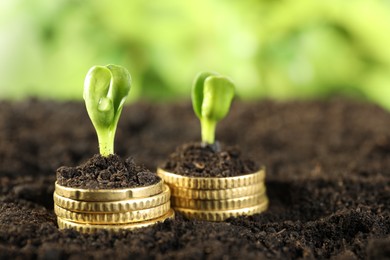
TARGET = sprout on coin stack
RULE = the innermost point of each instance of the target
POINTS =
(209, 181)
(107, 192)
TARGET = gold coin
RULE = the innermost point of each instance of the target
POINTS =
(237, 203)
(113, 206)
(206, 183)
(113, 218)
(90, 228)
(102, 195)
(221, 215)
(223, 194)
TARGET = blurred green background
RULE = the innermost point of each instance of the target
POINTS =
(275, 49)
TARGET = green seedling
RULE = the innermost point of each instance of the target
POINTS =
(212, 95)
(105, 92)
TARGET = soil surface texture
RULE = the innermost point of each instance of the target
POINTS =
(197, 160)
(328, 180)
(106, 173)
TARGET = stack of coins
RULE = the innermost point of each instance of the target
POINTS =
(90, 210)
(216, 199)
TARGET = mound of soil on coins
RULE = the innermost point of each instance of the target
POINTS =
(198, 160)
(109, 172)
(328, 180)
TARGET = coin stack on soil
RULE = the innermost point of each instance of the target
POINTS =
(88, 210)
(216, 199)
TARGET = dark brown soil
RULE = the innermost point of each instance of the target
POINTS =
(197, 160)
(106, 173)
(328, 181)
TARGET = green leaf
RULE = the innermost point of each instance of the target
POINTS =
(120, 85)
(96, 87)
(218, 95)
(197, 92)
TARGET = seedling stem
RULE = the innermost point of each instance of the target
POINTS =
(105, 92)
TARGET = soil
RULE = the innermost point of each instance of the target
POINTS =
(110, 172)
(199, 160)
(328, 180)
